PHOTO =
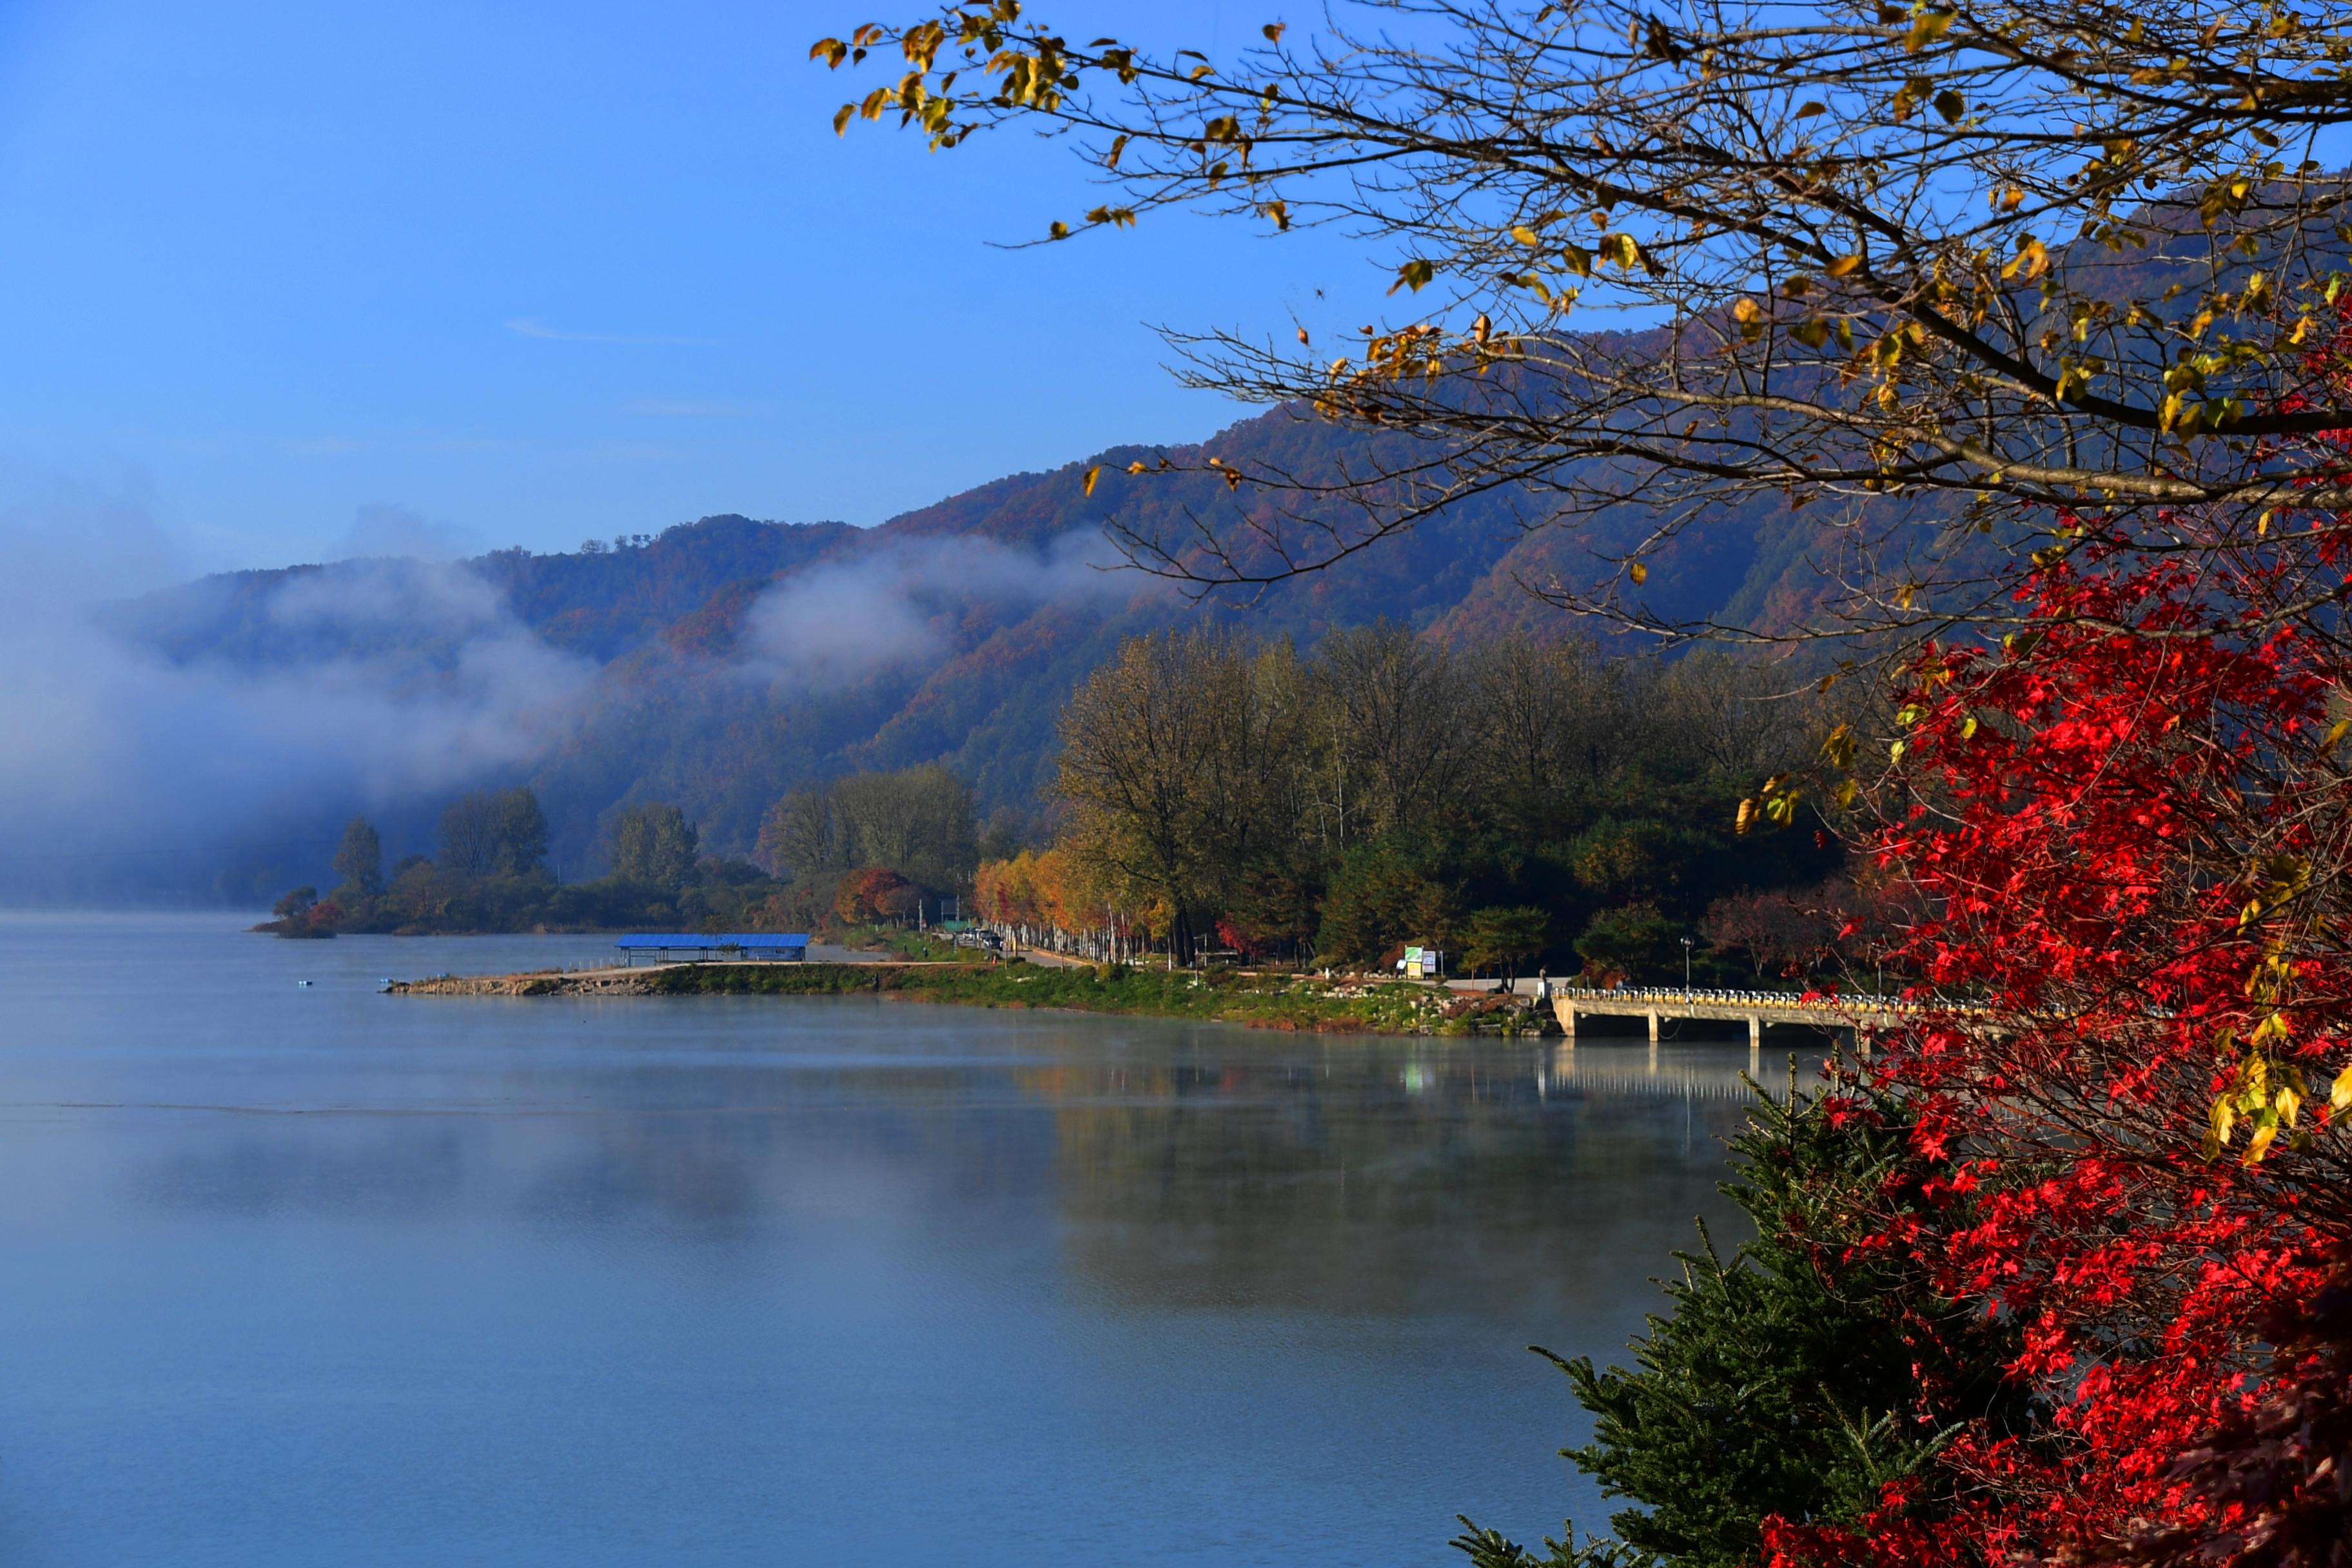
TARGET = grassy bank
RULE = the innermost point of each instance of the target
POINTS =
(1268, 1001)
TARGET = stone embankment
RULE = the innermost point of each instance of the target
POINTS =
(546, 982)
(816, 979)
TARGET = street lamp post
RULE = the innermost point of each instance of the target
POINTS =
(1686, 960)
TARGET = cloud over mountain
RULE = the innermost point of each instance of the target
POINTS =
(716, 667)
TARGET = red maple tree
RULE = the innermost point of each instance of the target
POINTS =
(2127, 826)
(875, 893)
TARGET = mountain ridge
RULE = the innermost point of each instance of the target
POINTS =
(728, 659)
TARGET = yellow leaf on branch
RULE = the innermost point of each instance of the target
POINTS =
(2031, 260)
(1929, 26)
(1413, 275)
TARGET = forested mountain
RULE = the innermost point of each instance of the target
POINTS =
(725, 661)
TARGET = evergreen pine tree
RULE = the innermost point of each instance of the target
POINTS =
(1798, 1378)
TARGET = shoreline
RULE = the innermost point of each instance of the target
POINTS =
(1299, 1003)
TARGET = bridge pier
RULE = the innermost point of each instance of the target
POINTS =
(1755, 1044)
(1654, 1039)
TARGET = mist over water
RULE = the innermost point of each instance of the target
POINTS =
(316, 1275)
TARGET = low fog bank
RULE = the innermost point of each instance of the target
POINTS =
(133, 776)
(205, 745)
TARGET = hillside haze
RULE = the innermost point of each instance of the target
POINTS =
(727, 660)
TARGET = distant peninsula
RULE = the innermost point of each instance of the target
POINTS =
(1265, 1001)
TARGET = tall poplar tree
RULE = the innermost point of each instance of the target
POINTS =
(359, 859)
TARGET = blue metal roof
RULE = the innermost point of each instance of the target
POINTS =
(698, 941)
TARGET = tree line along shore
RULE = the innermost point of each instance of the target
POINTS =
(1517, 805)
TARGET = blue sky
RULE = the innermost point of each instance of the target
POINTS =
(286, 279)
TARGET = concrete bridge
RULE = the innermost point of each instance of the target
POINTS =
(1856, 1015)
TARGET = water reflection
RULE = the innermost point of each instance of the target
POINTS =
(305, 1274)
(1184, 1168)
(1451, 1181)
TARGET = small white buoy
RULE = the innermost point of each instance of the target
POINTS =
(301, 982)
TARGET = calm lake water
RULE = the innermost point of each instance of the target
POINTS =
(312, 1274)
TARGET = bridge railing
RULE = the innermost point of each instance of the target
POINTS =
(1646, 996)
